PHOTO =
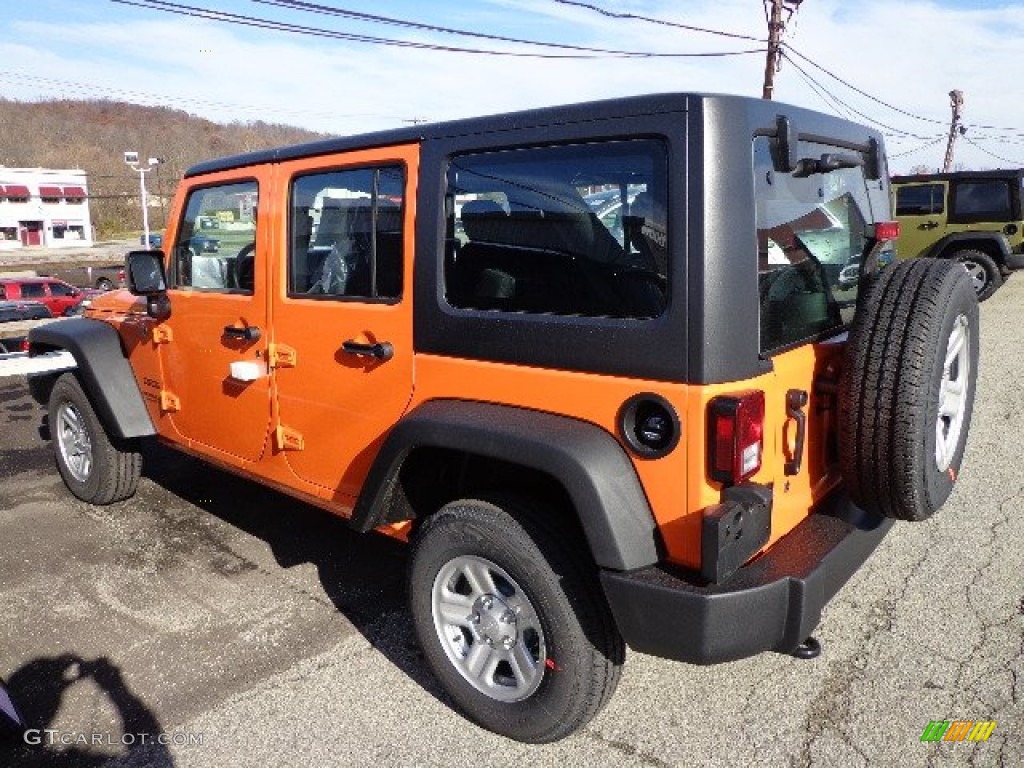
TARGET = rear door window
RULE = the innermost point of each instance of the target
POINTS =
(346, 234)
(33, 291)
(811, 233)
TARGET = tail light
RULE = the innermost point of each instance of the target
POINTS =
(887, 230)
(24, 345)
(736, 436)
(120, 276)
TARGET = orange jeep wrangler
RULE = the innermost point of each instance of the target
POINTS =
(667, 426)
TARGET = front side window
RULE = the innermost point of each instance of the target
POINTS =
(59, 289)
(215, 248)
(981, 200)
(346, 234)
(567, 230)
(811, 233)
(920, 200)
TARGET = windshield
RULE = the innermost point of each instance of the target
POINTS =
(811, 233)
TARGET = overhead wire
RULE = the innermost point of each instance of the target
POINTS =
(992, 154)
(879, 123)
(281, 26)
(916, 149)
(662, 22)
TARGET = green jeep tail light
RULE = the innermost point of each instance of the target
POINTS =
(736, 436)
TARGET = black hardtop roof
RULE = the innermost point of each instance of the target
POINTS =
(630, 106)
(1000, 173)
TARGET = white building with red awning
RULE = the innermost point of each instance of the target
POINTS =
(43, 207)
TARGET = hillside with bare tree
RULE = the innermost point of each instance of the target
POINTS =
(93, 136)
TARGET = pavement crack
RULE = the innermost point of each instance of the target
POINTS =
(625, 748)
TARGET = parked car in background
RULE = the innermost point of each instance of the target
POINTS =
(55, 294)
(23, 310)
(974, 217)
(156, 239)
(104, 277)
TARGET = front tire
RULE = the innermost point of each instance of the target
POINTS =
(511, 618)
(96, 467)
(983, 271)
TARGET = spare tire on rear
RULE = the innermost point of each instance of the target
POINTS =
(907, 388)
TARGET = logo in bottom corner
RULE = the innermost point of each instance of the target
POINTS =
(958, 730)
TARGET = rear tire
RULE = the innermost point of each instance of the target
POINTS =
(982, 270)
(907, 389)
(511, 618)
(96, 467)
(104, 284)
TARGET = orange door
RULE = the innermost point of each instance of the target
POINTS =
(342, 312)
(219, 317)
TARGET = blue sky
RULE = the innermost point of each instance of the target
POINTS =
(908, 55)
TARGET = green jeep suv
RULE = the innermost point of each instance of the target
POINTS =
(974, 217)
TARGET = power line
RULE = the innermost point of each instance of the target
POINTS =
(992, 154)
(854, 88)
(161, 99)
(280, 26)
(852, 109)
(662, 22)
(931, 143)
(328, 10)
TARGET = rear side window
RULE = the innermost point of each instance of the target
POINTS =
(346, 234)
(32, 291)
(920, 200)
(811, 233)
(566, 230)
(215, 249)
(981, 200)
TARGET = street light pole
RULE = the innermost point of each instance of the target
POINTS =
(132, 160)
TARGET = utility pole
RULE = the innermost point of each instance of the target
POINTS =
(776, 26)
(956, 101)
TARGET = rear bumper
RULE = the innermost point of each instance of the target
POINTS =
(771, 604)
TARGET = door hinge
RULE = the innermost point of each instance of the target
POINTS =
(286, 439)
(162, 334)
(281, 356)
(169, 402)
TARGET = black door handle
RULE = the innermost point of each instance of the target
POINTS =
(796, 399)
(929, 225)
(249, 333)
(381, 350)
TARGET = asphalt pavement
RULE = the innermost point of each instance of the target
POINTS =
(246, 629)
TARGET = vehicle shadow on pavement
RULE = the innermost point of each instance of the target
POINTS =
(362, 574)
(39, 687)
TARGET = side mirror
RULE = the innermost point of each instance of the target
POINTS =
(146, 277)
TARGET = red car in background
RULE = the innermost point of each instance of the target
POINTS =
(57, 295)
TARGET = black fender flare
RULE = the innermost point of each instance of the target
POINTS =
(103, 370)
(589, 463)
(945, 247)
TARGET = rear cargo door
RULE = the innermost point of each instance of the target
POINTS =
(809, 230)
